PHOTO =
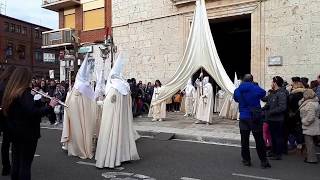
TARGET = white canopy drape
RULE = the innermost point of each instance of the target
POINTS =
(200, 52)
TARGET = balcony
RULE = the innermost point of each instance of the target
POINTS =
(58, 38)
(181, 2)
(56, 5)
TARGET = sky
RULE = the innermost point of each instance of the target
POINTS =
(31, 11)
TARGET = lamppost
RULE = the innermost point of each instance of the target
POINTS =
(108, 49)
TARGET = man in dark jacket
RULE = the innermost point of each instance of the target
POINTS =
(248, 95)
(276, 113)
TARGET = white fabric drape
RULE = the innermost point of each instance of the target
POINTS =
(200, 52)
(230, 108)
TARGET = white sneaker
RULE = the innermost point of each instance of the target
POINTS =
(154, 120)
(186, 115)
(160, 120)
(64, 147)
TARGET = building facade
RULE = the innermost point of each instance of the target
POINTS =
(82, 23)
(264, 37)
(20, 45)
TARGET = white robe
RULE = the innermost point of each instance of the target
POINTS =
(157, 111)
(198, 99)
(79, 125)
(219, 100)
(189, 99)
(205, 112)
(116, 142)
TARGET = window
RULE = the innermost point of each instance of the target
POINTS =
(38, 55)
(18, 29)
(9, 50)
(12, 27)
(24, 30)
(70, 21)
(93, 19)
(37, 34)
(22, 51)
(6, 26)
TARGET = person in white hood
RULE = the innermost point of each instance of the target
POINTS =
(190, 93)
(79, 118)
(116, 140)
(205, 112)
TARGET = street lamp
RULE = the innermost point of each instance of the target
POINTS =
(108, 49)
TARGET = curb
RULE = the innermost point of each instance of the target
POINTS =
(195, 138)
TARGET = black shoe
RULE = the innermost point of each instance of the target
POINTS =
(265, 165)
(246, 163)
(276, 157)
(6, 170)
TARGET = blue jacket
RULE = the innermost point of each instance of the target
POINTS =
(252, 95)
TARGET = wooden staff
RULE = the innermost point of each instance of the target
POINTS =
(49, 97)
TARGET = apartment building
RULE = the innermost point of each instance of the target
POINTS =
(83, 27)
(20, 45)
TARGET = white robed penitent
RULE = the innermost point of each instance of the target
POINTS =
(116, 141)
(79, 118)
(206, 102)
(157, 111)
(190, 93)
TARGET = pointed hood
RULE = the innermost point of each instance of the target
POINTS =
(82, 83)
(189, 87)
(236, 80)
(115, 79)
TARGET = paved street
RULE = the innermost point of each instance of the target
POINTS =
(165, 160)
(221, 131)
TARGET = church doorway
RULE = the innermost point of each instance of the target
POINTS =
(232, 36)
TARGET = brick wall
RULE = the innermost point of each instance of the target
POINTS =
(29, 41)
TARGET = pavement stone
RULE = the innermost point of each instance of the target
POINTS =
(221, 131)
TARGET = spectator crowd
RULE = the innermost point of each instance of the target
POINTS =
(288, 121)
(53, 88)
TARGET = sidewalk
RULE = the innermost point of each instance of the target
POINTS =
(223, 131)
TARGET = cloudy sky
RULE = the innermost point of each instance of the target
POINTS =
(31, 11)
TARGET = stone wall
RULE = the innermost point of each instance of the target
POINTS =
(153, 34)
(154, 43)
(292, 30)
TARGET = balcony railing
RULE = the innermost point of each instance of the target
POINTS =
(56, 5)
(181, 2)
(57, 38)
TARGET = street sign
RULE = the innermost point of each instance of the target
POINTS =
(85, 49)
(49, 57)
(51, 74)
(275, 61)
